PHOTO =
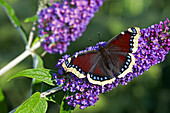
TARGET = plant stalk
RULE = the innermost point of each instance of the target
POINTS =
(18, 59)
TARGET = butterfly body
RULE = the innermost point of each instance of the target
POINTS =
(109, 62)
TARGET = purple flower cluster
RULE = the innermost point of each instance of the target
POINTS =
(64, 22)
(153, 45)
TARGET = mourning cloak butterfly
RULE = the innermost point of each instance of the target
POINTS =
(113, 61)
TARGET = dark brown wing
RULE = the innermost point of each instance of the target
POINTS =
(120, 48)
(89, 64)
(103, 66)
(81, 64)
(126, 41)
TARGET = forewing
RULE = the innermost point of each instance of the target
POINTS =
(80, 64)
(126, 41)
(120, 48)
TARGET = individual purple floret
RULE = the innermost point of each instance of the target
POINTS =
(64, 22)
(153, 45)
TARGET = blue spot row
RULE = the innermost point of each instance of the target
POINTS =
(74, 66)
(95, 77)
(131, 42)
(128, 60)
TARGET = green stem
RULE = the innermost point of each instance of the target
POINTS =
(50, 91)
(21, 57)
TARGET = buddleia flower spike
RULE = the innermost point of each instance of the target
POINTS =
(64, 22)
(152, 46)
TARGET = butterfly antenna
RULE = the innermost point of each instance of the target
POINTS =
(91, 40)
(99, 36)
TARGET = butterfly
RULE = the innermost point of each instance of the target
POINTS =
(110, 62)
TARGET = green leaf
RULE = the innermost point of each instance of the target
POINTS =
(34, 104)
(3, 105)
(10, 11)
(44, 75)
(65, 108)
(31, 19)
(14, 20)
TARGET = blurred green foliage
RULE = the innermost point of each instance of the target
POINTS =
(148, 93)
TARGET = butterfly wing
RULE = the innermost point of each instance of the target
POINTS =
(126, 41)
(89, 64)
(101, 68)
(81, 64)
(120, 49)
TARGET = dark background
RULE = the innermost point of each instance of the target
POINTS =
(148, 93)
